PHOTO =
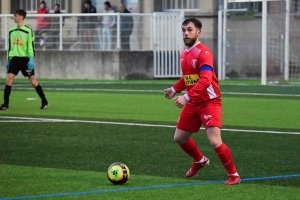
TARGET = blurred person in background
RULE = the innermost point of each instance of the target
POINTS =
(55, 26)
(108, 23)
(42, 23)
(126, 27)
(89, 25)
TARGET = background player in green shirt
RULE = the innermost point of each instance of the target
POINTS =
(20, 56)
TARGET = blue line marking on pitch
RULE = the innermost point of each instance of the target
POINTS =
(148, 187)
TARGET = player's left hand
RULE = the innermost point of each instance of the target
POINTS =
(30, 64)
(180, 101)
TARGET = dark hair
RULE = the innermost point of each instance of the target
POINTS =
(107, 3)
(21, 12)
(43, 2)
(195, 21)
(88, 2)
(57, 5)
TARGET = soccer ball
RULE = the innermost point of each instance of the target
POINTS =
(118, 173)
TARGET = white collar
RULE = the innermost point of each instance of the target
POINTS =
(187, 50)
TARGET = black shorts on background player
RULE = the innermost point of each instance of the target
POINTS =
(20, 64)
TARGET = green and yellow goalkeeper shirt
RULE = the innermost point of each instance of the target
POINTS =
(20, 42)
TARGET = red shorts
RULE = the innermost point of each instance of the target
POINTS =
(192, 117)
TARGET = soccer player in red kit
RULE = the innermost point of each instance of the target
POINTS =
(201, 103)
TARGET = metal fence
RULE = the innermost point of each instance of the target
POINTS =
(168, 44)
(256, 49)
(157, 32)
(86, 31)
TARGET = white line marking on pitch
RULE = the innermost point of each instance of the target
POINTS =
(22, 121)
(30, 119)
(142, 83)
(156, 91)
(26, 84)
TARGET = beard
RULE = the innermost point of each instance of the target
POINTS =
(189, 42)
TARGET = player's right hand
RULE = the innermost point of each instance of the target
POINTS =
(169, 94)
(7, 64)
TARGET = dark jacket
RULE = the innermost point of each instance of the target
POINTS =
(90, 21)
(126, 23)
(55, 26)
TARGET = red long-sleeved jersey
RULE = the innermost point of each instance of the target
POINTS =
(198, 77)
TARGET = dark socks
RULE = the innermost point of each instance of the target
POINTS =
(7, 91)
(40, 92)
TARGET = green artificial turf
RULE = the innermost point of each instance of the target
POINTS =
(38, 158)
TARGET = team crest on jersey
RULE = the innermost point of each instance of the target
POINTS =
(194, 63)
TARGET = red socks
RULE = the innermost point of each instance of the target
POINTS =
(226, 158)
(190, 147)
